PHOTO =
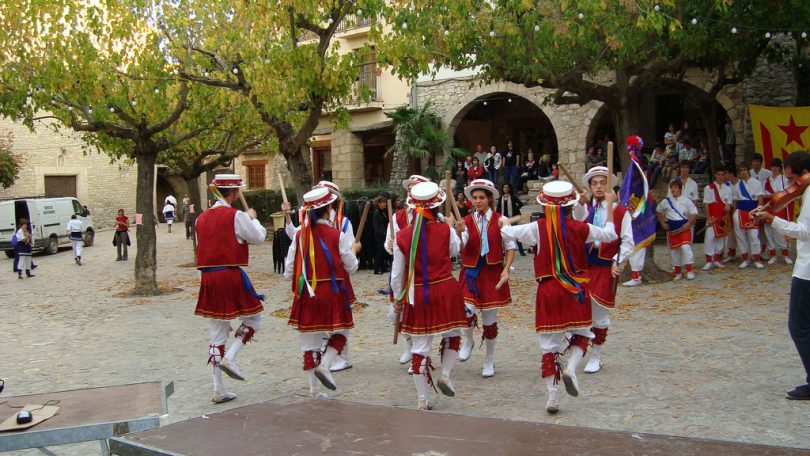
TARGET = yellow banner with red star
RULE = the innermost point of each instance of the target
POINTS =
(779, 131)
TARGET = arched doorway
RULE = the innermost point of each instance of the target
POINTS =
(163, 189)
(495, 118)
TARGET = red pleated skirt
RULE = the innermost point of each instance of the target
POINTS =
(602, 286)
(489, 297)
(326, 311)
(223, 296)
(443, 312)
(557, 310)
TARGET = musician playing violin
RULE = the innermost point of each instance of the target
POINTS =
(797, 166)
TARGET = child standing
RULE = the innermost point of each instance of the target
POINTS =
(677, 215)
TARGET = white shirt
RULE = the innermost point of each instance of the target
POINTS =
(725, 191)
(683, 205)
(74, 225)
(290, 229)
(778, 183)
(689, 190)
(246, 229)
(398, 265)
(350, 262)
(627, 242)
(529, 234)
(409, 214)
(753, 186)
(760, 175)
(168, 208)
(465, 235)
(799, 230)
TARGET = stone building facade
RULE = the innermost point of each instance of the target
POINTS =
(55, 164)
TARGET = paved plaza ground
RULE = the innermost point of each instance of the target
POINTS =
(709, 358)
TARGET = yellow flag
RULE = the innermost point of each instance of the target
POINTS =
(779, 131)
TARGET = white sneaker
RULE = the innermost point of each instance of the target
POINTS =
(728, 259)
(759, 265)
(631, 283)
(707, 266)
(325, 377)
(552, 406)
(594, 365)
(466, 349)
(678, 277)
(718, 264)
(410, 370)
(423, 404)
(230, 369)
(690, 275)
(788, 260)
(744, 264)
(445, 386)
(223, 397)
(340, 364)
(405, 357)
(772, 260)
(570, 380)
(489, 369)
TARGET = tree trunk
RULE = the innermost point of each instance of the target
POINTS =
(300, 166)
(708, 111)
(146, 258)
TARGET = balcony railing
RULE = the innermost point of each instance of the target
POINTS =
(354, 21)
(368, 77)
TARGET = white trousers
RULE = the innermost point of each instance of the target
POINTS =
(713, 245)
(77, 248)
(556, 343)
(220, 328)
(774, 239)
(599, 315)
(316, 340)
(682, 255)
(420, 345)
(637, 260)
(747, 240)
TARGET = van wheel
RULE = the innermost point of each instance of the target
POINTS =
(10, 253)
(88, 238)
(53, 245)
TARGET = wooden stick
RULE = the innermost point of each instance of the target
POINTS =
(448, 206)
(283, 190)
(363, 221)
(610, 164)
(398, 310)
(244, 202)
(452, 199)
(570, 178)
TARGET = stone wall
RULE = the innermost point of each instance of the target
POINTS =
(102, 184)
(348, 169)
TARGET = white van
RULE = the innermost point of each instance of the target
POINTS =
(47, 218)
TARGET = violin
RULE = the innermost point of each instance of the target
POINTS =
(780, 200)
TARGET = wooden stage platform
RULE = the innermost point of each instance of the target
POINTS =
(297, 425)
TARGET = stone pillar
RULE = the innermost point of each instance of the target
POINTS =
(770, 84)
(348, 164)
(399, 167)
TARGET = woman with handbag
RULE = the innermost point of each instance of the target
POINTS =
(121, 239)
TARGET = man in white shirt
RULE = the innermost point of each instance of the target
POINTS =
(757, 171)
(689, 186)
(687, 153)
(717, 199)
(75, 229)
(797, 166)
(747, 195)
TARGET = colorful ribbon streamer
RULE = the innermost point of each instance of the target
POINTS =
(562, 264)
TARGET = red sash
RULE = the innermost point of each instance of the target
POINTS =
(787, 212)
(717, 213)
(677, 240)
(745, 220)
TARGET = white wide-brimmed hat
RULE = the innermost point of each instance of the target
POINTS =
(598, 171)
(413, 180)
(331, 186)
(228, 181)
(318, 197)
(558, 193)
(427, 195)
(481, 184)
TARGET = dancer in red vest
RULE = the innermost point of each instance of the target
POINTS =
(422, 280)
(563, 302)
(603, 257)
(223, 235)
(319, 261)
(402, 218)
(484, 275)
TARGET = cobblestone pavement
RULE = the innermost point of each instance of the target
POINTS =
(709, 358)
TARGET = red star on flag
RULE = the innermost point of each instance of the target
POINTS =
(793, 132)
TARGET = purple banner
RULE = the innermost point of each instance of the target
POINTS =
(635, 196)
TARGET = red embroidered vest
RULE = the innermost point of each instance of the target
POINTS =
(576, 235)
(472, 250)
(437, 235)
(401, 216)
(216, 239)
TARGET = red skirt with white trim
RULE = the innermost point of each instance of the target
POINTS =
(557, 310)
(223, 296)
(489, 297)
(326, 311)
(444, 310)
(602, 286)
